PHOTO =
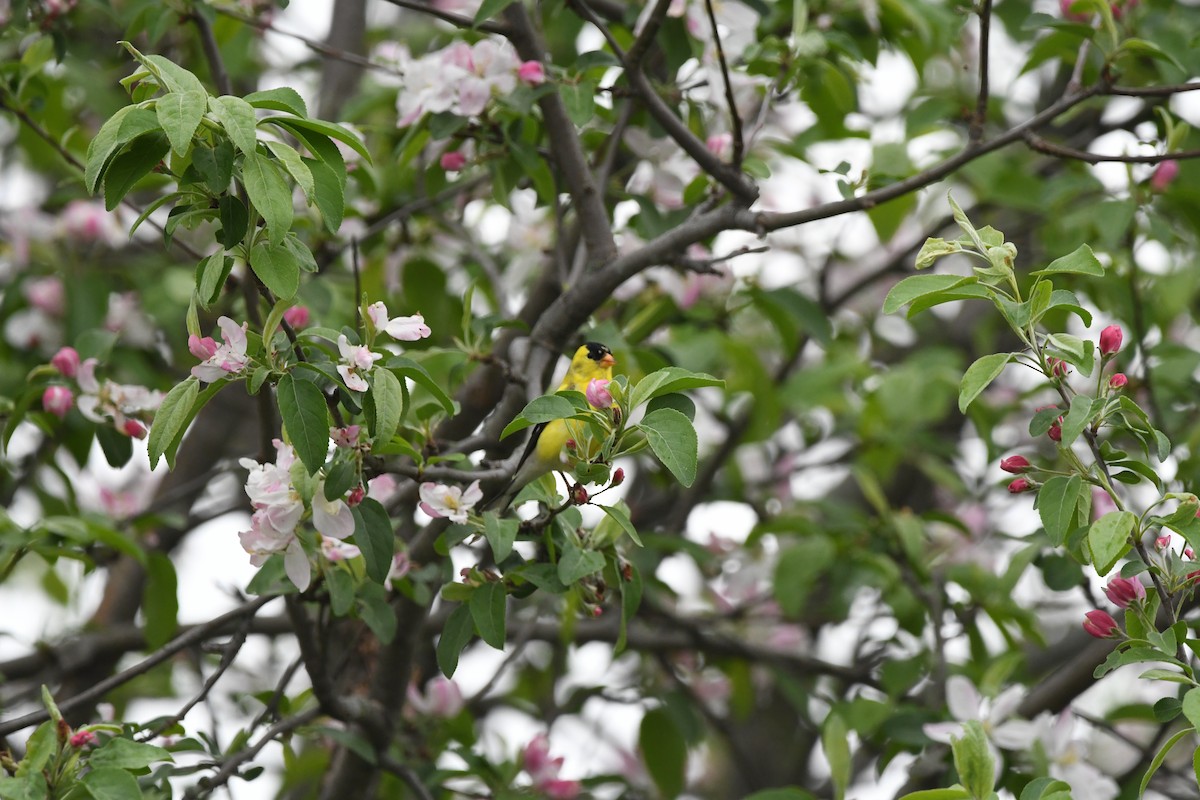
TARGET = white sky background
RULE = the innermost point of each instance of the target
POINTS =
(212, 566)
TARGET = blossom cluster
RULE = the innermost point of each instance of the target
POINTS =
(462, 79)
(125, 407)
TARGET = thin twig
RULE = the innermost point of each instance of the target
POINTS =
(457, 20)
(230, 766)
(734, 117)
(212, 53)
(981, 103)
(1041, 145)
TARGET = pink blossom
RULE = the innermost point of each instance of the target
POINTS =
(598, 395)
(357, 360)
(1125, 591)
(46, 294)
(720, 144)
(1164, 175)
(400, 566)
(332, 518)
(537, 761)
(228, 358)
(356, 496)
(1110, 340)
(1101, 625)
(1022, 485)
(618, 477)
(404, 329)
(89, 221)
(134, 429)
(66, 361)
(346, 437)
(559, 789)
(115, 402)
(202, 347)
(278, 509)
(453, 161)
(382, 487)
(58, 400)
(81, 739)
(439, 500)
(296, 316)
(532, 73)
(1162, 542)
(441, 698)
(1118, 381)
(335, 550)
(1016, 464)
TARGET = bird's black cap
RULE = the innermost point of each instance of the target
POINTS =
(597, 351)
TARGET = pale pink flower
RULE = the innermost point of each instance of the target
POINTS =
(346, 437)
(89, 221)
(720, 145)
(404, 329)
(439, 500)
(1164, 175)
(357, 361)
(400, 566)
(452, 161)
(110, 401)
(532, 73)
(332, 518)
(82, 738)
(296, 316)
(441, 698)
(598, 395)
(46, 294)
(228, 358)
(335, 550)
(382, 487)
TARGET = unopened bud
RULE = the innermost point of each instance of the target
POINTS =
(1118, 381)
(1016, 465)
(1101, 625)
(571, 445)
(1055, 431)
(58, 400)
(1162, 543)
(1058, 367)
(356, 496)
(1110, 340)
(66, 361)
(1021, 485)
(133, 428)
(82, 739)
(1124, 591)
(618, 477)
(1164, 174)
(579, 494)
(453, 161)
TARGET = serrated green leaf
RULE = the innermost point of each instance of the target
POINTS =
(916, 286)
(374, 536)
(540, 409)
(1108, 539)
(111, 783)
(669, 380)
(277, 268)
(1056, 503)
(489, 604)
(170, 418)
(123, 127)
(237, 118)
(620, 514)
(456, 634)
(295, 166)
(673, 440)
(306, 419)
(501, 533)
(386, 400)
(124, 753)
(179, 114)
(130, 166)
(979, 376)
(282, 98)
(332, 130)
(269, 194)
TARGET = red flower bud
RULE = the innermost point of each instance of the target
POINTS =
(1101, 625)
(1110, 340)
(453, 161)
(618, 477)
(1123, 591)
(1163, 175)
(1117, 381)
(1162, 542)
(1058, 367)
(579, 495)
(66, 361)
(356, 496)
(1016, 465)
(1021, 485)
(82, 739)
(134, 428)
(1055, 431)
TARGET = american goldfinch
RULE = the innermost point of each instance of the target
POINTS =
(544, 450)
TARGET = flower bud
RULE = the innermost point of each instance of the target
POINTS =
(1101, 625)
(597, 393)
(1164, 174)
(356, 496)
(571, 445)
(202, 348)
(296, 316)
(579, 495)
(1021, 485)
(1189, 553)
(1016, 465)
(1123, 591)
(1117, 381)
(134, 429)
(66, 361)
(1110, 340)
(82, 738)
(1055, 431)
(618, 477)
(1162, 542)
(58, 400)
(453, 161)
(532, 73)
(1058, 367)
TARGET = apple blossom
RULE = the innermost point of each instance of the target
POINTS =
(441, 698)
(1125, 591)
(404, 329)
(452, 161)
(1110, 340)
(597, 393)
(336, 550)
(296, 316)
(357, 360)
(439, 500)
(1118, 381)
(115, 402)
(381, 488)
(331, 518)
(58, 400)
(66, 361)
(1021, 485)
(1101, 625)
(82, 738)
(46, 294)
(228, 358)
(400, 566)
(346, 437)
(532, 73)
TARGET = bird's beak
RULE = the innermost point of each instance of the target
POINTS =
(608, 360)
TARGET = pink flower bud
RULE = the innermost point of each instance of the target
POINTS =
(1021, 485)
(1058, 367)
(598, 395)
(296, 316)
(579, 495)
(66, 361)
(58, 400)
(1118, 381)
(82, 739)
(202, 348)
(571, 445)
(1055, 431)
(1163, 175)
(618, 477)
(453, 161)
(1123, 591)
(1162, 543)
(1016, 465)
(1101, 625)
(532, 73)
(1110, 340)
(1188, 553)
(719, 144)
(134, 429)
(356, 496)
(346, 437)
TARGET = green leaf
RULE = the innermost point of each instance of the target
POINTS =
(669, 380)
(797, 570)
(306, 420)
(916, 286)
(129, 167)
(576, 563)
(329, 195)
(171, 417)
(501, 533)
(295, 166)
(580, 100)
(333, 131)
(277, 268)
(974, 761)
(341, 589)
(489, 605)
(952, 793)
(620, 514)
(235, 220)
(979, 376)
(283, 98)
(1161, 756)
(123, 127)
(1076, 419)
(160, 603)
(836, 745)
(111, 783)
(237, 118)
(124, 753)
(631, 598)
(26, 787)
(673, 440)
(932, 250)
(175, 77)
(269, 194)
(1057, 501)
(540, 409)
(179, 114)
(456, 634)
(1191, 707)
(1108, 539)
(215, 165)
(374, 536)
(664, 751)
(489, 9)
(405, 367)
(211, 273)
(386, 404)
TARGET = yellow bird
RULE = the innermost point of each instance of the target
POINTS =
(544, 450)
